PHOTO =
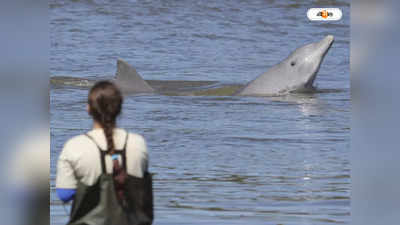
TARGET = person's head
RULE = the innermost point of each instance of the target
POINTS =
(104, 105)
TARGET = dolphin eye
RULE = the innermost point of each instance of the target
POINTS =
(293, 63)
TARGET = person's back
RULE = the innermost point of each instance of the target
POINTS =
(105, 170)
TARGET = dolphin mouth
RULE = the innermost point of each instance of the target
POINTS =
(325, 45)
(310, 82)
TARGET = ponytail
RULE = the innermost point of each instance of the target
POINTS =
(105, 102)
(108, 129)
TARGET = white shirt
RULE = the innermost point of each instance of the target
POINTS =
(80, 157)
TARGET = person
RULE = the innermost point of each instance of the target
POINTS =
(105, 171)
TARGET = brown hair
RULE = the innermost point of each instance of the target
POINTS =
(105, 103)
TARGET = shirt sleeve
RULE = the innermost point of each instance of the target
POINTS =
(66, 195)
(137, 156)
(65, 172)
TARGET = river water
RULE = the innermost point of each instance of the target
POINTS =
(216, 160)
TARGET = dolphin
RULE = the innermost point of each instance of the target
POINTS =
(296, 73)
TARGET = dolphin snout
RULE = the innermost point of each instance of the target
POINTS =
(330, 38)
(322, 48)
(325, 44)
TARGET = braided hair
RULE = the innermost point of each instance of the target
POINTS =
(105, 103)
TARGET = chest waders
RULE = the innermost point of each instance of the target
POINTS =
(99, 204)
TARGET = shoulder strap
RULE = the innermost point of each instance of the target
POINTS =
(124, 152)
(126, 140)
(102, 154)
(92, 139)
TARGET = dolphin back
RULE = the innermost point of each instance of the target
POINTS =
(129, 80)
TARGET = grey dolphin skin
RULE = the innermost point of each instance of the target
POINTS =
(297, 72)
(129, 81)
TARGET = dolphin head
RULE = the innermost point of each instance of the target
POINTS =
(296, 73)
(305, 61)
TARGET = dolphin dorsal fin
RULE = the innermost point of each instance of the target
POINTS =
(129, 80)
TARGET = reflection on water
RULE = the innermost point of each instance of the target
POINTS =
(215, 159)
